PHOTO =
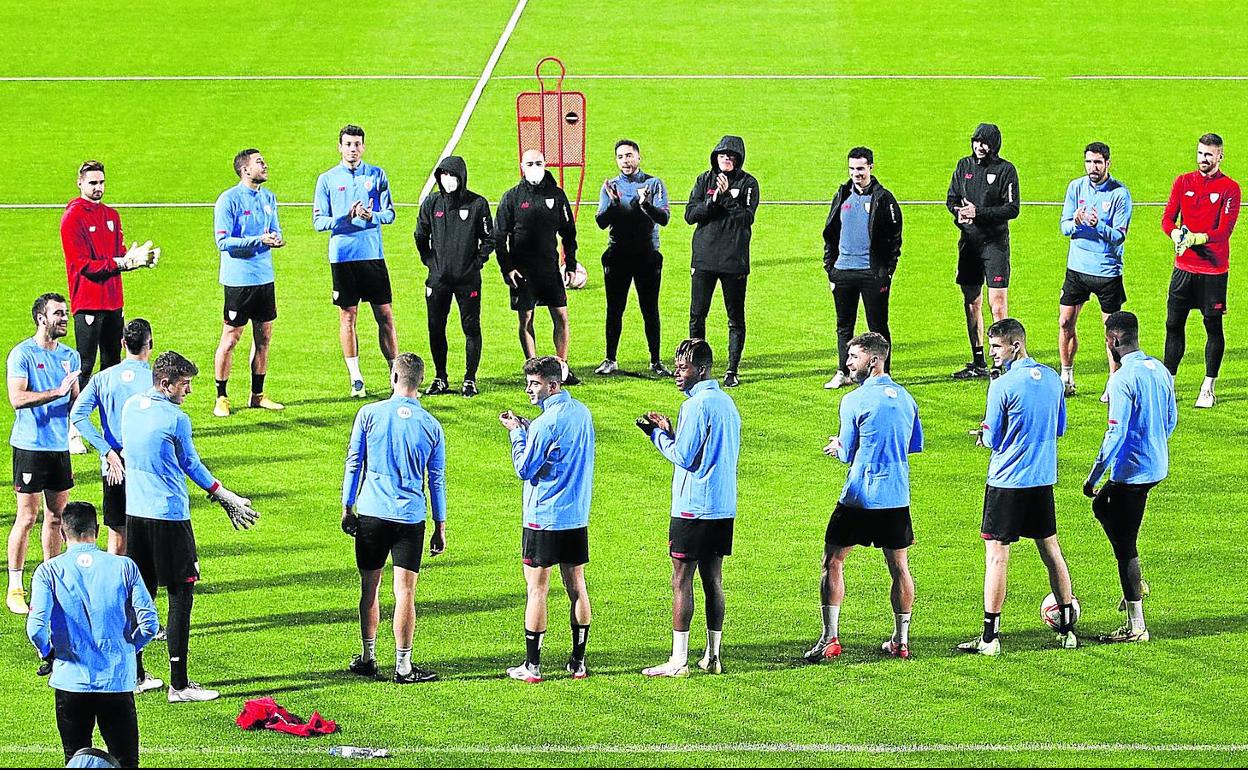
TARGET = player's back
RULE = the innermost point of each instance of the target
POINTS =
(404, 443)
(1026, 416)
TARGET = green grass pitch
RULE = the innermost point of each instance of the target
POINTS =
(276, 613)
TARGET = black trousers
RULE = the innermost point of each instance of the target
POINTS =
(438, 303)
(620, 271)
(848, 286)
(98, 330)
(703, 289)
(77, 714)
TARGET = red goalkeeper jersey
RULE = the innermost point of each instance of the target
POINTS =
(1208, 206)
(91, 237)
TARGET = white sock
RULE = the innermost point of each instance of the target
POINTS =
(680, 647)
(1208, 384)
(353, 368)
(901, 628)
(402, 660)
(15, 578)
(1068, 374)
(831, 621)
(370, 650)
(1135, 615)
(712, 643)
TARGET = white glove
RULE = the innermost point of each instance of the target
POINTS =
(139, 255)
(239, 509)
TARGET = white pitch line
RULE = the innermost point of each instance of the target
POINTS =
(477, 90)
(708, 748)
(305, 205)
(1158, 77)
(573, 76)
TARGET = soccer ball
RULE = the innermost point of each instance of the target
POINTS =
(1051, 611)
(576, 280)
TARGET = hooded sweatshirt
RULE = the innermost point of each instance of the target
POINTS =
(721, 242)
(991, 184)
(528, 219)
(454, 232)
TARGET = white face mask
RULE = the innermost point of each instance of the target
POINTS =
(534, 174)
(449, 183)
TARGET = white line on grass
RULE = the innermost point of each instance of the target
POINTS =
(708, 748)
(1157, 77)
(304, 204)
(466, 115)
(507, 32)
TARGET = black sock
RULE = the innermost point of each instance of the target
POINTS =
(181, 599)
(533, 647)
(580, 638)
(138, 665)
(992, 625)
(257, 383)
(221, 388)
(1067, 623)
(978, 357)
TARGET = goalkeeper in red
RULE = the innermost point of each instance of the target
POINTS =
(1200, 217)
(156, 434)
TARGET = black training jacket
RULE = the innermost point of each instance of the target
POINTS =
(454, 231)
(991, 184)
(721, 242)
(528, 219)
(883, 229)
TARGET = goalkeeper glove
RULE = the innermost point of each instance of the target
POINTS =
(239, 509)
(139, 255)
(1177, 235)
(1191, 239)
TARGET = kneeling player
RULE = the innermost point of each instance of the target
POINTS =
(879, 428)
(1136, 452)
(396, 446)
(1026, 415)
(554, 456)
(704, 447)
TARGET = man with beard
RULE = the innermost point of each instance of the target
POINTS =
(983, 198)
(454, 235)
(722, 205)
(879, 429)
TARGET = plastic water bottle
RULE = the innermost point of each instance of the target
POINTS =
(358, 752)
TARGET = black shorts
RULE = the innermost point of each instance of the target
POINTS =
(548, 547)
(115, 505)
(1109, 291)
(984, 262)
(878, 527)
(163, 550)
(36, 471)
(250, 303)
(1197, 291)
(364, 281)
(539, 287)
(1010, 514)
(1120, 509)
(375, 539)
(698, 539)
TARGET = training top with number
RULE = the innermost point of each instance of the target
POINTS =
(1142, 417)
(879, 430)
(92, 240)
(705, 451)
(43, 428)
(396, 448)
(554, 457)
(1203, 205)
(1096, 250)
(93, 610)
(632, 224)
(109, 390)
(1026, 416)
(352, 239)
(240, 218)
(156, 434)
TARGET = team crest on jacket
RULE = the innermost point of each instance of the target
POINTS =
(404, 412)
(463, 215)
(368, 185)
(735, 191)
(65, 366)
(111, 227)
(1213, 197)
(992, 178)
(1105, 206)
(550, 203)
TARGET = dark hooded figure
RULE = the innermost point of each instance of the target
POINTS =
(454, 235)
(983, 198)
(722, 205)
